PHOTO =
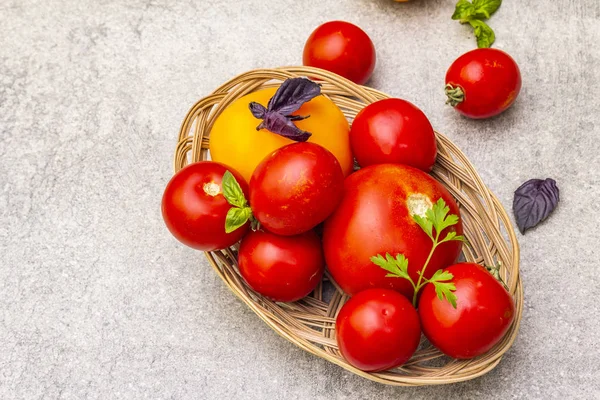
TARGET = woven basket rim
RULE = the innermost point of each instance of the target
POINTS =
(452, 168)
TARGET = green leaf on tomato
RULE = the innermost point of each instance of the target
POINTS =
(232, 191)
(397, 267)
(236, 217)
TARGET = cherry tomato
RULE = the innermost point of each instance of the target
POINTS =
(375, 217)
(296, 188)
(393, 131)
(377, 329)
(483, 83)
(282, 268)
(483, 314)
(342, 48)
(194, 208)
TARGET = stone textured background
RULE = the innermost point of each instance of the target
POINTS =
(97, 299)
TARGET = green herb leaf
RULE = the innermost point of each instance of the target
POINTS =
(439, 216)
(452, 236)
(484, 34)
(397, 267)
(425, 224)
(464, 11)
(236, 217)
(446, 289)
(485, 8)
(443, 288)
(441, 275)
(232, 191)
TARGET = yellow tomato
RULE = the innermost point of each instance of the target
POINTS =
(234, 140)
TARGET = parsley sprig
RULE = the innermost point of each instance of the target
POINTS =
(435, 221)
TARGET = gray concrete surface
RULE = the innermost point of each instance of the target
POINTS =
(98, 301)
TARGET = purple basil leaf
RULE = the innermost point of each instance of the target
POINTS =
(534, 201)
(258, 110)
(288, 98)
(292, 94)
(276, 122)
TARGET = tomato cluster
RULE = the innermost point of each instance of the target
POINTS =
(390, 234)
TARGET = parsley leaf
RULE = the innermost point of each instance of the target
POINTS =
(425, 224)
(437, 218)
(397, 267)
(444, 289)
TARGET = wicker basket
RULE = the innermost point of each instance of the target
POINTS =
(310, 323)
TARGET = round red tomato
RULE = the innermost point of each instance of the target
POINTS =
(375, 217)
(194, 208)
(282, 268)
(484, 311)
(296, 188)
(483, 83)
(393, 131)
(377, 329)
(342, 48)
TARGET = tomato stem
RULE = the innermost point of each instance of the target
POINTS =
(455, 95)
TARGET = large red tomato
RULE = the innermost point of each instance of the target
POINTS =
(194, 208)
(375, 217)
(342, 48)
(377, 329)
(483, 83)
(393, 131)
(484, 311)
(283, 268)
(296, 188)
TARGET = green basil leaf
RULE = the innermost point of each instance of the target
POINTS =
(236, 217)
(232, 191)
(484, 34)
(464, 11)
(485, 8)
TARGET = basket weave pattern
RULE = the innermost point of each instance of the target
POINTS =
(310, 322)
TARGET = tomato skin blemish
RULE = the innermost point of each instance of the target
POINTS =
(418, 204)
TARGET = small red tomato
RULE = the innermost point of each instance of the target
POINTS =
(484, 311)
(483, 83)
(194, 208)
(393, 131)
(282, 268)
(296, 188)
(342, 48)
(377, 329)
(375, 217)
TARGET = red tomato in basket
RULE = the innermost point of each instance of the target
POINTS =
(375, 217)
(282, 268)
(489, 80)
(484, 312)
(194, 208)
(393, 131)
(377, 329)
(342, 48)
(296, 188)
